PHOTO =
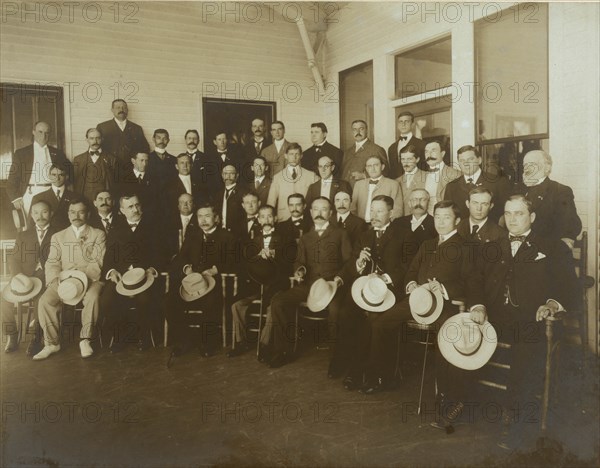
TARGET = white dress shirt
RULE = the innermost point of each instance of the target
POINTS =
(187, 182)
(121, 124)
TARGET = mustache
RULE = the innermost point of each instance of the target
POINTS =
(319, 217)
(430, 159)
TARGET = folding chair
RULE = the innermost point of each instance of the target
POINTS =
(303, 312)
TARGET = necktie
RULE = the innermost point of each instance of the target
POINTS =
(223, 156)
(257, 146)
(372, 182)
(340, 220)
(403, 138)
(256, 184)
(441, 240)
(474, 229)
(297, 222)
(266, 236)
(106, 222)
(227, 193)
(294, 174)
(470, 181)
(379, 233)
(140, 179)
(94, 153)
(41, 234)
(184, 226)
(133, 226)
(318, 149)
(58, 194)
(320, 231)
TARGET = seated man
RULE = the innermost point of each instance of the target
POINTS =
(78, 247)
(322, 252)
(178, 226)
(263, 254)
(420, 222)
(28, 258)
(383, 250)
(478, 227)
(210, 251)
(131, 245)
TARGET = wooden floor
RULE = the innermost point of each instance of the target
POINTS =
(129, 410)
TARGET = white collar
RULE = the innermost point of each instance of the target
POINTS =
(44, 229)
(99, 150)
(475, 176)
(540, 181)
(259, 179)
(480, 224)
(344, 216)
(230, 188)
(291, 169)
(526, 233)
(121, 124)
(359, 144)
(408, 136)
(39, 147)
(138, 173)
(279, 143)
(414, 219)
(384, 227)
(182, 177)
(188, 217)
(440, 165)
(258, 141)
(214, 228)
(376, 178)
(159, 150)
(322, 228)
(328, 180)
(321, 144)
(108, 217)
(78, 231)
(447, 236)
(413, 172)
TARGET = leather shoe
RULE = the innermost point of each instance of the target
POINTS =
(264, 354)
(378, 385)
(11, 344)
(448, 416)
(278, 360)
(351, 383)
(237, 351)
(34, 347)
(335, 370)
(46, 352)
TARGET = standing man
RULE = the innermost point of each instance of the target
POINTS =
(30, 167)
(78, 247)
(553, 203)
(184, 182)
(223, 153)
(458, 190)
(406, 122)
(206, 167)
(57, 197)
(355, 157)
(275, 153)
(229, 200)
(321, 147)
(94, 170)
(322, 252)
(413, 177)
(438, 174)
(477, 227)
(139, 181)
(329, 185)
(367, 189)
(104, 216)
(160, 162)
(292, 179)
(352, 224)
(122, 137)
(261, 180)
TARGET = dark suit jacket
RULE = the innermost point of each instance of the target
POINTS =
(233, 156)
(235, 212)
(123, 144)
(162, 169)
(97, 223)
(250, 149)
(262, 191)
(426, 230)
(207, 171)
(354, 226)
(542, 269)
(81, 176)
(337, 185)
(291, 234)
(171, 191)
(448, 263)
(323, 256)
(148, 191)
(458, 191)
(310, 157)
(555, 212)
(20, 169)
(489, 232)
(60, 216)
(138, 249)
(389, 254)
(396, 169)
(28, 252)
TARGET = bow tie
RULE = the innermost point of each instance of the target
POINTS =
(373, 182)
(266, 236)
(379, 233)
(94, 153)
(517, 238)
(251, 220)
(320, 230)
(297, 222)
(40, 230)
(133, 225)
(403, 138)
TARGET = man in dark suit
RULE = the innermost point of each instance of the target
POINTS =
(205, 166)
(458, 190)
(352, 224)
(32, 248)
(329, 185)
(420, 223)
(553, 203)
(184, 182)
(531, 278)
(293, 228)
(104, 216)
(160, 162)
(95, 169)
(406, 122)
(137, 180)
(29, 171)
(321, 147)
(224, 153)
(131, 244)
(57, 197)
(228, 200)
(261, 180)
(178, 226)
(211, 251)
(247, 227)
(355, 157)
(253, 148)
(322, 253)
(122, 137)
(477, 227)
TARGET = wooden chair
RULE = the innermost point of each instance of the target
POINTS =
(261, 315)
(302, 312)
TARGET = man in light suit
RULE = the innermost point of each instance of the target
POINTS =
(95, 169)
(321, 147)
(293, 179)
(405, 126)
(29, 171)
(367, 189)
(458, 190)
(356, 156)
(122, 137)
(413, 177)
(78, 247)
(275, 153)
(261, 180)
(57, 197)
(438, 175)
(329, 185)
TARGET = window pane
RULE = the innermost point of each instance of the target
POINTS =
(424, 69)
(507, 158)
(356, 100)
(512, 73)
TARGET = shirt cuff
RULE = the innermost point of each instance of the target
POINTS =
(560, 307)
(341, 280)
(185, 267)
(107, 277)
(359, 270)
(409, 285)
(444, 292)
(473, 307)
(387, 278)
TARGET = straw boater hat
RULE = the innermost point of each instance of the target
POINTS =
(466, 344)
(72, 285)
(19, 219)
(135, 281)
(321, 294)
(371, 293)
(196, 285)
(426, 305)
(21, 288)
